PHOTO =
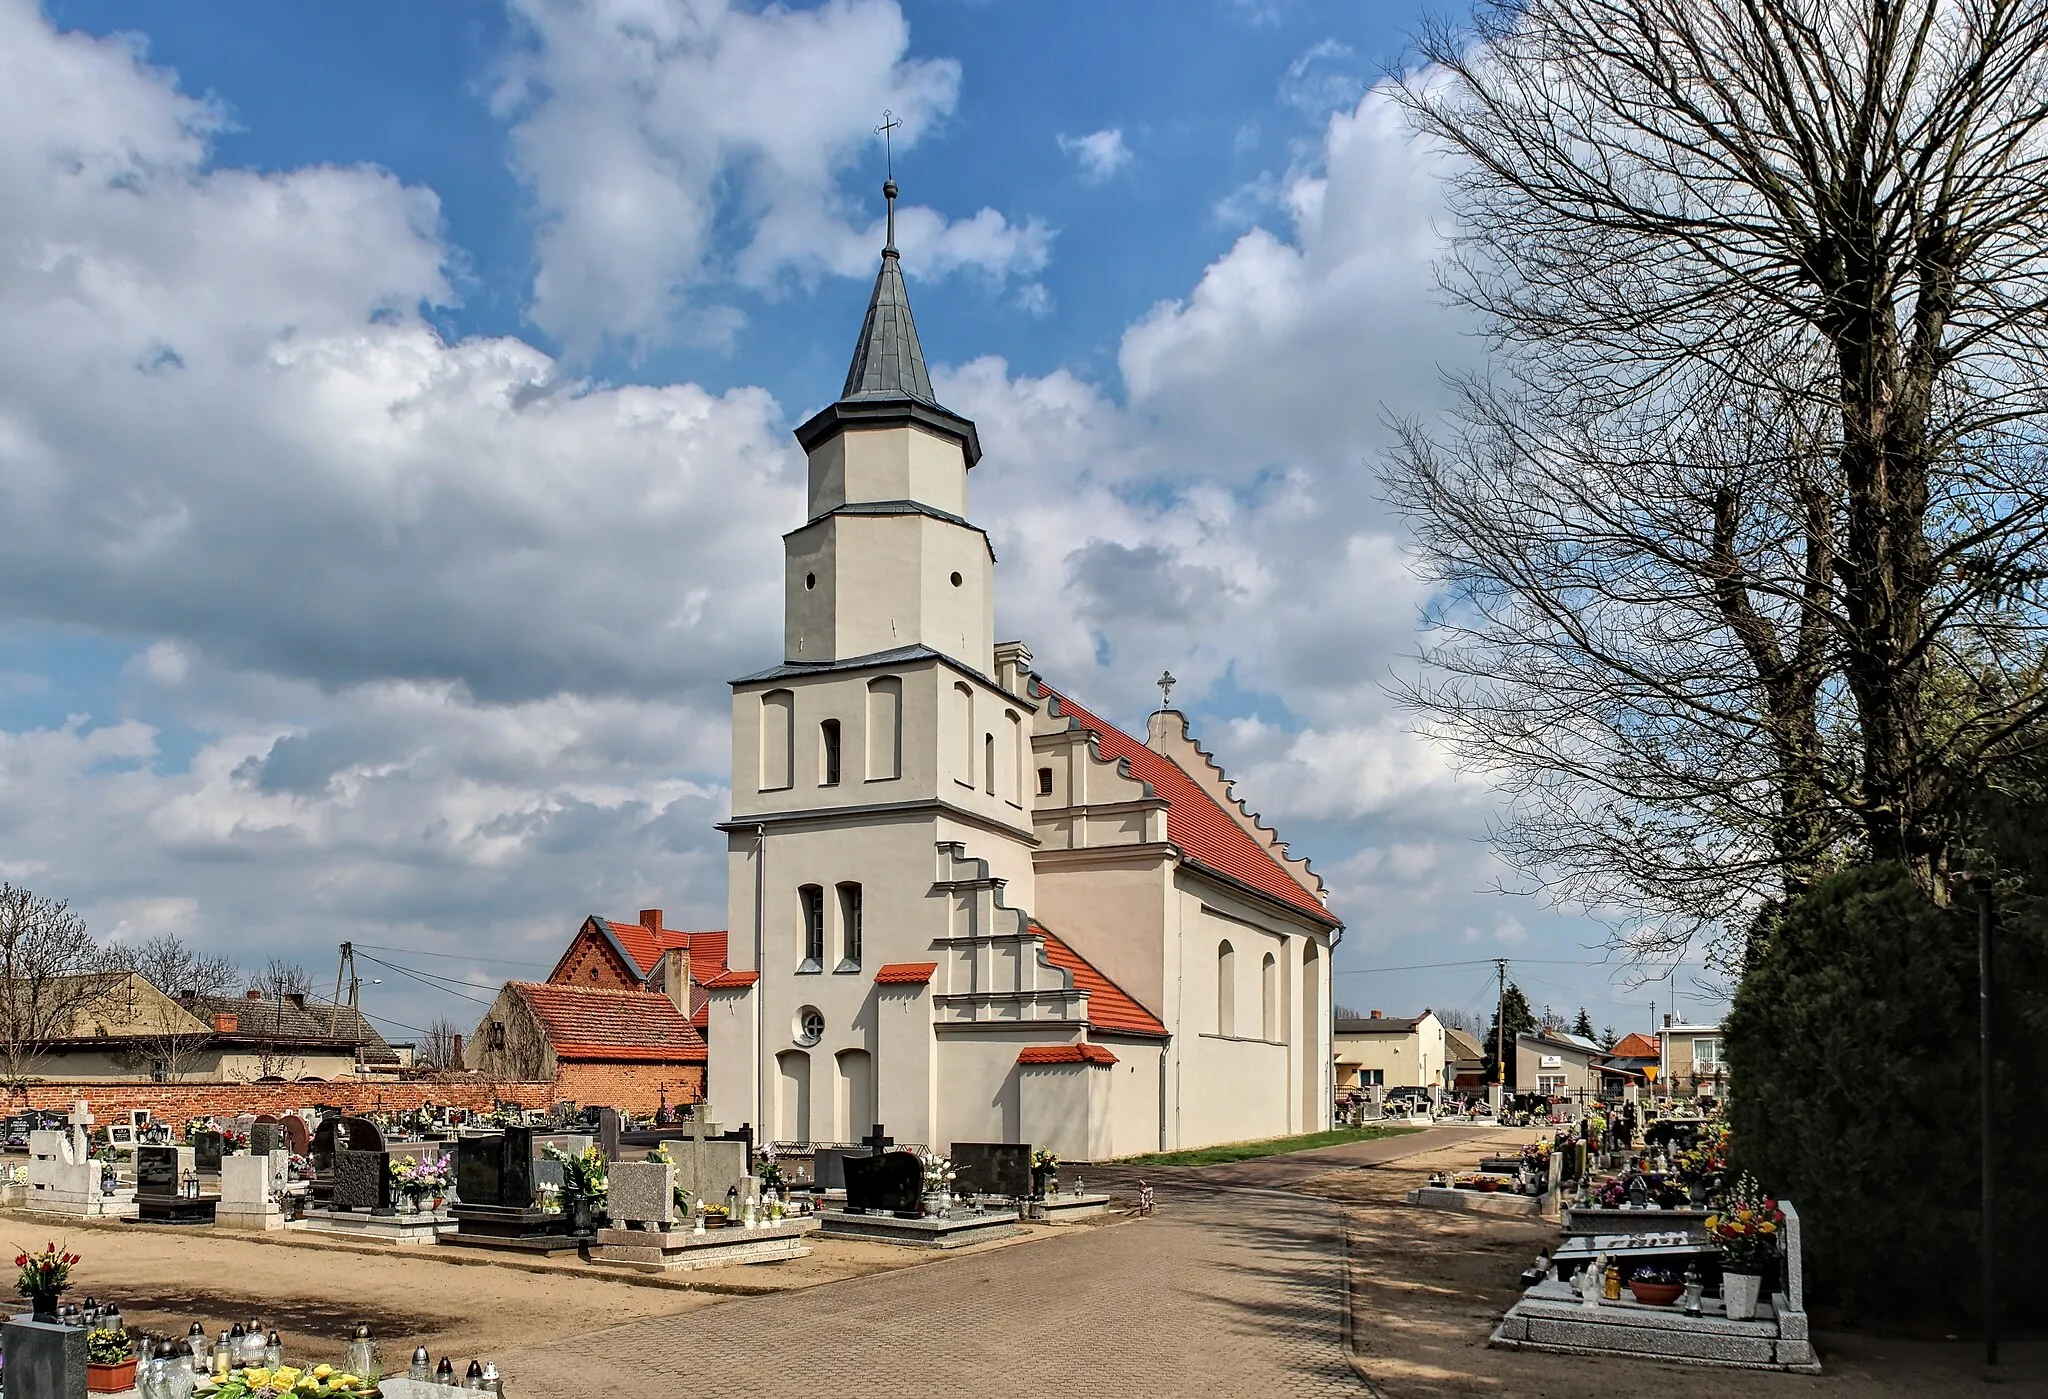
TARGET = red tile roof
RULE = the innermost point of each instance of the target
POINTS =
(1065, 1054)
(728, 981)
(645, 946)
(906, 974)
(1636, 1047)
(1110, 1007)
(592, 1022)
(1195, 821)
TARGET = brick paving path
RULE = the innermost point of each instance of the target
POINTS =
(1218, 1295)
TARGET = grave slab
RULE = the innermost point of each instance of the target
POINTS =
(1069, 1209)
(1439, 1197)
(678, 1250)
(43, 1360)
(952, 1232)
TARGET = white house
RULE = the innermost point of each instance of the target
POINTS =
(1392, 1051)
(961, 904)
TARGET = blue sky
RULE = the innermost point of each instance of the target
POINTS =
(395, 414)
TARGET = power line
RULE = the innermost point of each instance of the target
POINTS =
(436, 983)
(455, 956)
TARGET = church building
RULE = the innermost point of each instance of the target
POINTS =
(961, 904)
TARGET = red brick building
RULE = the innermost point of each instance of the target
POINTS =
(619, 1021)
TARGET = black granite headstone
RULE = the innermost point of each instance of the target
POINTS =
(362, 1134)
(320, 1150)
(480, 1170)
(609, 1128)
(264, 1137)
(156, 1170)
(889, 1184)
(206, 1151)
(992, 1168)
(828, 1167)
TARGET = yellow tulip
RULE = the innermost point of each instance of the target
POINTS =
(1767, 1227)
(321, 1372)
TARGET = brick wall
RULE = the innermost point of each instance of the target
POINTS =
(178, 1101)
(631, 1087)
(591, 953)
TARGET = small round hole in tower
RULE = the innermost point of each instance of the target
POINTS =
(956, 580)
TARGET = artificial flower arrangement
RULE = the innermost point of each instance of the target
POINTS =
(421, 1176)
(195, 1125)
(299, 1168)
(682, 1196)
(769, 1170)
(938, 1172)
(1486, 1182)
(583, 1173)
(1045, 1160)
(1704, 1161)
(1747, 1228)
(1613, 1195)
(320, 1382)
(44, 1273)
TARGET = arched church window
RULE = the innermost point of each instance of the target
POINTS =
(828, 753)
(849, 927)
(885, 728)
(1226, 988)
(811, 898)
(963, 732)
(988, 763)
(778, 734)
(1015, 794)
(1269, 998)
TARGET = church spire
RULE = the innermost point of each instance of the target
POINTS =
(888, 362)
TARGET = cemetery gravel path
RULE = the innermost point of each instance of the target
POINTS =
(1222, 1295)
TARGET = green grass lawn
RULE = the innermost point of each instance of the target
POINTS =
(1276, 1146)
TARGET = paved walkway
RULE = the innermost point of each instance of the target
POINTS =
(1218, 1295)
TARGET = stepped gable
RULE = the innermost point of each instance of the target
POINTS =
(1110, 1007)
(592, 1022)
(1208, 836)
(1169, 727)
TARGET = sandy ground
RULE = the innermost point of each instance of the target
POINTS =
(1428, 1286)
(454, 1301)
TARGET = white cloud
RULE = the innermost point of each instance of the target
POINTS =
(669, 144)
(1100, 154)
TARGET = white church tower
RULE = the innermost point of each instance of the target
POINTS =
(879, 805)
(960, 904)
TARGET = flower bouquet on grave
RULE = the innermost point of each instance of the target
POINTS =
(291, 1382)
(938, 1180)
(1045, 1172)
(299, 1168)
(584, 1185)
(232, 1141)
(769, 1170)
(43, 1277)
(1747, 1231)
(195, 1125)
(1612, 1195)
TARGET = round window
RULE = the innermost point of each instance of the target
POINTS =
(956, 580)
(810, 581)
(810, 1026)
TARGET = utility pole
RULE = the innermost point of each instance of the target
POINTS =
(1500, 1024)
(348, 963)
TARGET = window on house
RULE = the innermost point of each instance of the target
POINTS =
(849, 927)
(1550, 1085)
(494, 1038)
(1706, 1051)
(812, 900)
(828, 753)
(1226, 989)
(1045, 782)
(1372, 1078)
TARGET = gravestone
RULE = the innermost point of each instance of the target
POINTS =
(642, 1193)
(992, 1168)
(362, 1181)
(496, 1169)
(320, 1150)
(81, 1130)
(361, 1134)
(120, 1136)
(264, 1137)
(160, 1176)
(609, 1127)
(892, 1183)
(43, 1359)
(298, 1137)
(828, 1167)
(207, 1149)
(708, 1165)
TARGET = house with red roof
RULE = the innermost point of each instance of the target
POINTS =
(619, 1021)
(961, 903)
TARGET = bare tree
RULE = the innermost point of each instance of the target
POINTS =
(50, 972)
(280, 978)
(176, 968)
(1761, 479)
(159, 1037)
(442, 1048)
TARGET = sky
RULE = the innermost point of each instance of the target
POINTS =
(395, 409)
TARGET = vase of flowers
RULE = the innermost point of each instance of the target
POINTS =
(42, 1278)
(938, 1183)
(584, 1186)
(1747, 1231)
(1045, 1173)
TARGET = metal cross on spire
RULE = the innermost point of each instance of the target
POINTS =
(887, 132)
(1165, 682)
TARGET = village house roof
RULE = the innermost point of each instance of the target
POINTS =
(1634, 1046)
(1207, 835)
(641, 945)
(1379, 1024)
(598, 1023)
(1463, 1045)
(291, 1019)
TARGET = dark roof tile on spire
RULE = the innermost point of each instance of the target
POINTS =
(888, 362)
